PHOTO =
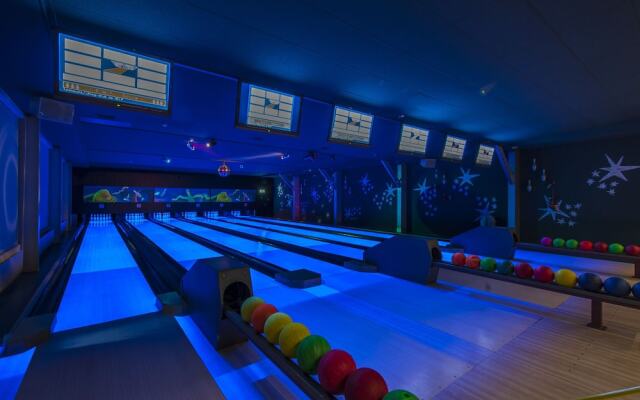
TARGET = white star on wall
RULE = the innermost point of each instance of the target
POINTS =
(467, 177)
(552, 210)
(616, 169)
(422, 187)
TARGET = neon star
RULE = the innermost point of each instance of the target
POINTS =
(617, 169)
(422, 187)
(467, 177)
(552, 210)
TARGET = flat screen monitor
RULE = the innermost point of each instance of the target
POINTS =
(181, 195)
(117, 194)
(268, 109)
(100, 72)
(485, 155)
(454, 148)
(351, 127)
(413, 140)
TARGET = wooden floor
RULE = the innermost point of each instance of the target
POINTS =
(557, 357)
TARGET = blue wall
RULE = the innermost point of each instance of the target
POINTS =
(44, 192)
(8, 179)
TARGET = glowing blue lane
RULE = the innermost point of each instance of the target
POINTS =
(12, 370)
(308, 232)
(105, 283)
(325, 247)
(181, 249)
(285, 259)
(326, 227)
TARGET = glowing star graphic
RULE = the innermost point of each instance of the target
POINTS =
(602, 186)
(612, 192)
(466, 177)
(617, 169)
(390, 191)
(614, 184)
(422, 187)
(484, 212)
(590, 181)
(364, 181)
(595, 174)
(552, 210)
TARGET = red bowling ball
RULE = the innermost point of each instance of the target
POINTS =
(586, 245)
(632, 250)
(601, 247)
(524, 270)
(459, 259)
(543, 274)
(546, 241)
(365, 384)
(473, 262)
(333, 370)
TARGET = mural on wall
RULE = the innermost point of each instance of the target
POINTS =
(283, 199)
(369, 199)
(316, 197)
(583, 191)
(452, 198)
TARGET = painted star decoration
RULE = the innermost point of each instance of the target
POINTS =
(466, 177)
(422, 187)
(616, 169)
(552, 210)
(487, 211)
(390, 191)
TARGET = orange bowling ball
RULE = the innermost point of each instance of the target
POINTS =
(473, 262)
(260, 315)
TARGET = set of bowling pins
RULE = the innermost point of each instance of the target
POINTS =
(190, 214)
(211, 214)
(100, 219)
(236, 213)
(162, 216)
(134, 217)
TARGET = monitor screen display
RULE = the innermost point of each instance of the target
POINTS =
(413, 140)
(181, 195)
(350, 126)
(116, 194)
(485, 155)
(105, 73)
(454, 148)
(268, 109)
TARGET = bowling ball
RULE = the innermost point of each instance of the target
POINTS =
(488, 264)
(248, 306)
(558, 242)
(365, 384)
(590, 281)
(632, 250)
(617, 286)
(333, 369)
(543, 274)
(616, 248)
(459, 259)
(290, 337)
(586, 245)
(566, 277)
(571, 244)
(400, 395)
(546, 241)
(524, 270)
(636, 290)
(473, 262)
(505, 267)
(310, 351)
(602, 247)
(260, 315)
(274, 324)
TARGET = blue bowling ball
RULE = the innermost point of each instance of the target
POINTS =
(616, 286)
(636, 290)
(590, 281)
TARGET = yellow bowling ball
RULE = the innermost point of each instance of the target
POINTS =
(248, 306)
(290, 338)
(274, 324)
(566, 278)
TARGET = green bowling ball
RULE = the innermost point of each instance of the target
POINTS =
(505, 267)
(558, 242)
(616, 248)
(310, 351)
(571, 244)
(400, 395)
(488, 264)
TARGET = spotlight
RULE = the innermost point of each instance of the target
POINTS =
(191, 144)
(167, 160)
(262, 191)
(224, 170)
(210, 143)
(284, 156)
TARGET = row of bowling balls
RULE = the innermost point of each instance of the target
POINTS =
(614, 285)
(336, 369)
(602, 247)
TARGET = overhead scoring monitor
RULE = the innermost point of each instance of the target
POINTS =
(105, 73)
(454, 148)
(413, 140)
(268, 109)
(485, 155)
(351, 126)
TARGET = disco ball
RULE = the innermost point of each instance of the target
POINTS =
(224, 170)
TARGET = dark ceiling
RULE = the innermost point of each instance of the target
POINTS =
(516, 72)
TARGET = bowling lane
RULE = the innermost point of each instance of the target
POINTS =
(285, 259)
(324, 247)
(348, 240)
(325, 227)
(105, 283)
